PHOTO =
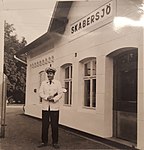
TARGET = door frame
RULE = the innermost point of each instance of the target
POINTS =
(109, 85)
(115, 112)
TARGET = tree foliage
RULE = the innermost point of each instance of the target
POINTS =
(14, 69)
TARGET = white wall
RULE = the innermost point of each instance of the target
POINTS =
(99, 44)
(33, 105)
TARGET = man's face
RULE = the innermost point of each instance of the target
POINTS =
(50, 75)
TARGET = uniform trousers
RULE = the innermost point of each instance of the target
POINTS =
(50, 117)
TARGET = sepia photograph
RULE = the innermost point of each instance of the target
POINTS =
(71, 74)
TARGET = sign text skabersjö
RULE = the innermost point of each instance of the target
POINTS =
(94, 17)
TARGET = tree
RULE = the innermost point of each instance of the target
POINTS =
(13, 69)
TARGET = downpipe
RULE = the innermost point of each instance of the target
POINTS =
(15, 57)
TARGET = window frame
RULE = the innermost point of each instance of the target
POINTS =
(42, 77)
(69, 81)
(90, 78)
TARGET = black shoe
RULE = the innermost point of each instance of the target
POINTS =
(56, 146)
(42, 145)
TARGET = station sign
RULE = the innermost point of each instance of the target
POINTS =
(95, 18)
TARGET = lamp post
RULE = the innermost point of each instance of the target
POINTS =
(2, 84)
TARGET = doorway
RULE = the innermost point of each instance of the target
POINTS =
(125, 96)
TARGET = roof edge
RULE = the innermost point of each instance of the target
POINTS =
(56, 19)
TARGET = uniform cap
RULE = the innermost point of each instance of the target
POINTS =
(50, 69)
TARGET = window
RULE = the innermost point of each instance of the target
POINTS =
(68, 85)
(42, 76)
(90, 83)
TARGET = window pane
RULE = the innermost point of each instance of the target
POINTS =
(87, 93)
(71, 71)
(67, 93)
(70, 92)
(67, 73)
(42, 78)
(94, 93)
(87, 69)
(94, 67)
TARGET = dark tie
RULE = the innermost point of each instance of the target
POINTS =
(50, 81)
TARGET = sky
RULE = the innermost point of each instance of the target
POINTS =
(29, 17)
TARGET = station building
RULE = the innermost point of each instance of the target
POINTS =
(97, 48)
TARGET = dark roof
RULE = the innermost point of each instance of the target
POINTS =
(58, 24)
(59, 19)
(34, 44)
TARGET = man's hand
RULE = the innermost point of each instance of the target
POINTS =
(50, 99)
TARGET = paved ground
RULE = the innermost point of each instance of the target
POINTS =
(24, 132)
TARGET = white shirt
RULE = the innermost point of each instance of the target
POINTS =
(46, 90)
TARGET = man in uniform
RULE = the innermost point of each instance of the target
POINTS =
(51, 92)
